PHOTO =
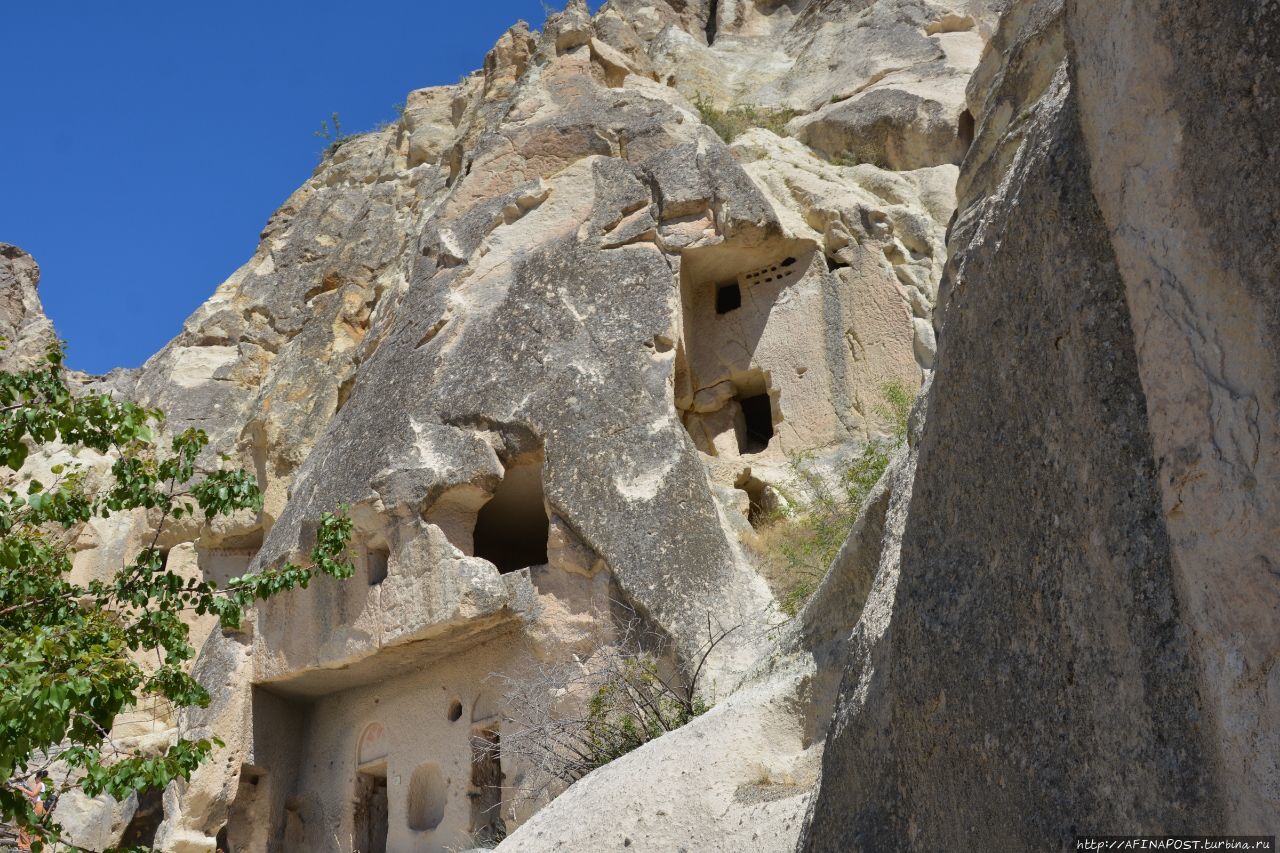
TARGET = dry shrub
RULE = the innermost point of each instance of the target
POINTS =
(563, 719)
(731, 123)
(798, 541)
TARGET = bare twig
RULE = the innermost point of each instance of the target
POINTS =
(564, 719)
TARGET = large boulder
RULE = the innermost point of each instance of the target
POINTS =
(1080, 638)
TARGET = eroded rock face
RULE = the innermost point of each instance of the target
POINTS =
(540, 335)
(1060, 657)
(546, 333)
(1206, 315)
(742, 776)
(26, 331)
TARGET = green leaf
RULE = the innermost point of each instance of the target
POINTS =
(71, 654)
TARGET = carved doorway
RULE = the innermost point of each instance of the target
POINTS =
(369, 831)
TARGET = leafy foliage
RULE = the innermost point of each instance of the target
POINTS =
(731, 123)
(70, 652)
(801, 540)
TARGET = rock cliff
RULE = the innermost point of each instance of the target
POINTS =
(24, 329)
(562, 333)
(1079, 637)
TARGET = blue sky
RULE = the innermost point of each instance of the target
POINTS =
(144, 144)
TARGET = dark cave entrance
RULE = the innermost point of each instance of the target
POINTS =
(757, 412)
(728, 297)
(512, 527)
(377, 562)
(965, 131)
(141, 831)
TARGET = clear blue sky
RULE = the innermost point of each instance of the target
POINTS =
(144, 144)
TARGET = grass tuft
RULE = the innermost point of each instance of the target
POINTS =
(797, 542)
(731, 123)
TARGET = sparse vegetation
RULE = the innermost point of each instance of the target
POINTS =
(798, 541)
(331, 130)
(565, 719)
(333, 135)
(733, 122)
(629, 711)
(481, 839)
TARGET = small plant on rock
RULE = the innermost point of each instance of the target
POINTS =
(565, 719)
(799, 542)
(333, 135)
(731, 123)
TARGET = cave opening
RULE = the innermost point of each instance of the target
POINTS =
(141, 831)
(965, 131)
(757, 413)
(512, 527)
(728, 297)
(378, 561)
(369, 821)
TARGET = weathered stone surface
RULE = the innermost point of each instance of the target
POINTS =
(519, 275)
(93, 824)
(1183, 163)
(877, 82)
(737, 778)
(910, 112)
(544, 333)
(1059, 658)
(741, 776)
(25, 330)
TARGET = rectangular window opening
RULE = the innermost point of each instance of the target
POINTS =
(728, 297)
(370, 819)
(757, 412)
(378, 559)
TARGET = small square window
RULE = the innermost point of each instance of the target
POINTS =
(728, 297)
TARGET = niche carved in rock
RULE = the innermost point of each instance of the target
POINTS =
(727, 400)
(511, 529)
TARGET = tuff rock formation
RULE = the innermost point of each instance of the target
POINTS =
(553, 341)
(1083, 631)
(25, 331)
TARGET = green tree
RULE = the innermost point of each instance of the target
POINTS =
(69, 653)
